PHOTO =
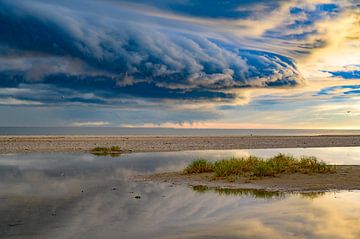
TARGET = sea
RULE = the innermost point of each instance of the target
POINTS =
(121, 131)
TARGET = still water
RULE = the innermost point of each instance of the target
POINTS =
(85, 196)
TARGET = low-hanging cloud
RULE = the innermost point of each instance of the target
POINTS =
(117, 52)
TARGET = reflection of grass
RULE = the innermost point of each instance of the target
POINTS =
(113, 151)
(256, 193)
(253, 166)
(312, 195)
(200, 188)
(249, 192)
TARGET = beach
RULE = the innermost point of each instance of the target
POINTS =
(345, 178)
(24, 144)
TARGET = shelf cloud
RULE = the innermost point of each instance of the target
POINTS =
(123, 52)
(180, 62)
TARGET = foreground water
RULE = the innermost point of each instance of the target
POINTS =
(84, 196)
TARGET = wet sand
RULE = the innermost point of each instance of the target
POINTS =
(22, 144)
(346, 178)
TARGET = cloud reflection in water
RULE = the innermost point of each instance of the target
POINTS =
(83, 196)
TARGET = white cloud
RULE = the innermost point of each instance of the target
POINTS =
(13, 101)
(91, 123)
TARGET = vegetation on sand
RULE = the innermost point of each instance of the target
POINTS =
(253, 166)
(103, 151)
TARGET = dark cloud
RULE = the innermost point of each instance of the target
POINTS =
(302, 24)
(354, 74)
(236, 9)
(65, 116)
(345, 89)
(116, 53)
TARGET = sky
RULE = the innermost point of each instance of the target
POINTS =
(180, 63)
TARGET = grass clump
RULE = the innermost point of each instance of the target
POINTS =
(103, 151)
(253, 166)
(199, 166)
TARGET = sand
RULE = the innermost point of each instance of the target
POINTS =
(21, 144)
(346, 178)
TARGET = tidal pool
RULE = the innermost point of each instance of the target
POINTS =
(86, 196)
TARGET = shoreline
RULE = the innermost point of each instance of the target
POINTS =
(346, 178)
(128, 144)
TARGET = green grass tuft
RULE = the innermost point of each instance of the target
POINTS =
(253, 166)
(103, 151)
(199, 166)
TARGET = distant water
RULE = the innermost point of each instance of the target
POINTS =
(165, 131)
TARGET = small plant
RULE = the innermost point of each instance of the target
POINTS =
(115, 148)
(253, 166)
(200, 188)
(312, 165)
(282, 163)
(199, 166)
(103, 151)
(263, 169)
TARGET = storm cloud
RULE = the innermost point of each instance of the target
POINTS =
(107, 52)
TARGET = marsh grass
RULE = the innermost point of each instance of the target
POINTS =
(114, 151)
(199, 166)
(253, 166)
